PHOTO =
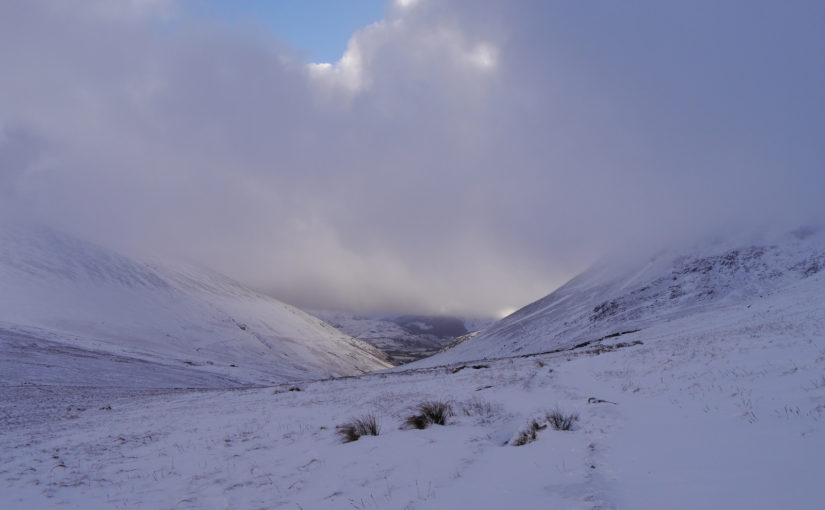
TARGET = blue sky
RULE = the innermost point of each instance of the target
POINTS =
(321, 28)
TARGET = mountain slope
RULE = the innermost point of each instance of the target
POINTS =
(720, 409)
(74, 313)
(613, 299)
(717, 402)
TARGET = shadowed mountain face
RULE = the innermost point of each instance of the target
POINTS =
(403, 338)
(438, 327)
(74, 313)
(614, 298)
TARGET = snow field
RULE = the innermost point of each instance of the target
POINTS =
(718, 410)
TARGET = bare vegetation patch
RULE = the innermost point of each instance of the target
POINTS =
(528, 433)
(430, 412)
(555, 419)
(365, 426)
(558, 420)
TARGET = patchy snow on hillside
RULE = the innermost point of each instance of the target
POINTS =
(722, 408)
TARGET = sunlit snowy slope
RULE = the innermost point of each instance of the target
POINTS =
(614, 299)
(74, 313)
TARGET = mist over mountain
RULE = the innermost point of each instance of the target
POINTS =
(619, 298)
(635, 187)
(461, 158)
(73, 313)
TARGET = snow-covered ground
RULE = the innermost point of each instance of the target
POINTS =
(73, 312)
(723, 408)
(698, 382)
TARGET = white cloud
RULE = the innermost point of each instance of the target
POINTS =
(413, 41)
(484, 56)
(406, 4)
(347, 74)
(461, 156)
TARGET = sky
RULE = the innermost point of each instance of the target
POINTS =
(319, 29)
(456, 157)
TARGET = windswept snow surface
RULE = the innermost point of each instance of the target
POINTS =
(722, 408)
(616, 297)
(73, 313)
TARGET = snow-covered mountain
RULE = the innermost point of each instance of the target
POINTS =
(717, 402)
(617, 299)
(403, 338)
(72, 312)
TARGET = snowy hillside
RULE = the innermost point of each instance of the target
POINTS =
(74, 313)
(723, 408)
(403, 338)
(615, 299)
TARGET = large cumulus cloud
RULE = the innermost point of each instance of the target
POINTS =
(461, 157)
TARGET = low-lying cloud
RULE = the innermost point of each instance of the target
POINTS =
(462, 157)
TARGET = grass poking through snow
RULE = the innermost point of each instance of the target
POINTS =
(431, 412)
(561, 421)
(365, 426)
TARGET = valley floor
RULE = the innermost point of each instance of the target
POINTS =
(720, 410)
